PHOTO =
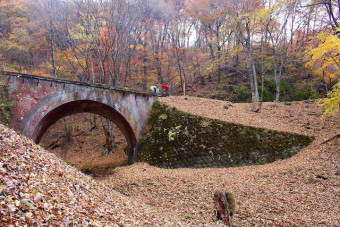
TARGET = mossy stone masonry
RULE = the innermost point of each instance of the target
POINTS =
(175, 139)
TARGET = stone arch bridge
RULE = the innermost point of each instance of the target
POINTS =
(41, 101)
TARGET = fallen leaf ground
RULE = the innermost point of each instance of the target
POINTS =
(85, 152)
(37, 188)
(301, 191)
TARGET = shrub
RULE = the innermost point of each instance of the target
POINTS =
(240, 94)
(5, 104)
(309, 92)
(15, 67)
(267, 96)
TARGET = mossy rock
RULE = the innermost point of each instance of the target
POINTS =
(176, 139)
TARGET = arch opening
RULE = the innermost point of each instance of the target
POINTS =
(88, 106)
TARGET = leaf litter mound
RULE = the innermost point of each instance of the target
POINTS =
(37, 188)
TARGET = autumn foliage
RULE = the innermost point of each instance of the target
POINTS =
(260, 46)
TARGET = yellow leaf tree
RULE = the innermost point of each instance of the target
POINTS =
(325, 57)
(332, 101)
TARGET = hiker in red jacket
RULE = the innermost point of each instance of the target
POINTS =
(165, 89)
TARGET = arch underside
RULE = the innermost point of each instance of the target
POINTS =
(87, 106)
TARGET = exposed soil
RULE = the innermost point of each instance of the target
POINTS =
(87, 147)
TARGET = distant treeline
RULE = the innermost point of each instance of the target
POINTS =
(179, 42)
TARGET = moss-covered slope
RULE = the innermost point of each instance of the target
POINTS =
(175, 139)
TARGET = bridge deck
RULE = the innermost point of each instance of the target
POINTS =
(58, 80)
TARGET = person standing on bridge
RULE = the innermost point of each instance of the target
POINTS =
(165, 89)
(154, 89)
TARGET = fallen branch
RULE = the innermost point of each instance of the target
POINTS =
(329, 139)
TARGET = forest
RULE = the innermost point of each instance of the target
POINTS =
(237, 50)
(247, 135)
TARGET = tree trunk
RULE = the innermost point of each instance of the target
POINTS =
(109, 133)
(252, 70)
(159, 70)
(181, 73)
(277, 96)
(237, 55)
(262, 74)
(52, 44)
(325, 80)
(144, 67)
(213, 58)
(278, 79)
(68, 131)
(253, 81)
(224, 207)
(218, 54)
(53, 55)
(92, 70)
(93, 123)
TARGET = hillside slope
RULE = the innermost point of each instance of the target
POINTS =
(300, 191)
(37, 188)
(296, 117)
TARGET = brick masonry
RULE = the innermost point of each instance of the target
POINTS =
(41, 101)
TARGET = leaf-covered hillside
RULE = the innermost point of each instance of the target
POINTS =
(37, 188)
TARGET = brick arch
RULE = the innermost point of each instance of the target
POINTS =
(60, 104)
